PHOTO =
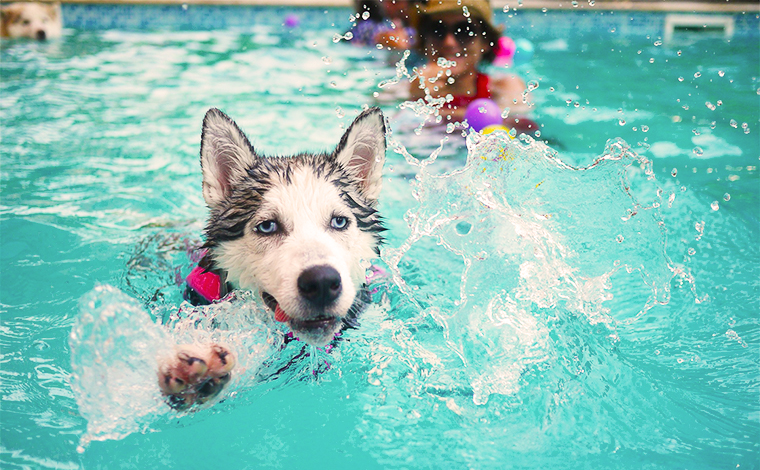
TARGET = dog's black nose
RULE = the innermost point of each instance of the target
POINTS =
(41, 35)
(320, 285)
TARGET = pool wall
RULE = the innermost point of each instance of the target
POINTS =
(560, 23)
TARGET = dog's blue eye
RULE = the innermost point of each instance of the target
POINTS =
(267, 227)
(339, 223)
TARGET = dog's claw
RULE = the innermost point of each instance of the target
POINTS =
(221, 361)
(195, 375)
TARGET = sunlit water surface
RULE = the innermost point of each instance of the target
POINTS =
(591, 303)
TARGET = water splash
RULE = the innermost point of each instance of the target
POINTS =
(520, 238)
(116, 347)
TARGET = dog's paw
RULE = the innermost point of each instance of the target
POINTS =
(195, 374)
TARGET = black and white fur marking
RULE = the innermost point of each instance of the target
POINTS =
(299, 230)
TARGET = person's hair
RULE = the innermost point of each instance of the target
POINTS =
(488, 33)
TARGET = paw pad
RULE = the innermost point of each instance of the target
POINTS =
(194, 376)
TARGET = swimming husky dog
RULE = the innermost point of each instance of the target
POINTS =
(297, 230)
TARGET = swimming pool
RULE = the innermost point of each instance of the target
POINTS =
(542, 316)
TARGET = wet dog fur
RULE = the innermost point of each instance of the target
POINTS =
(299, 231)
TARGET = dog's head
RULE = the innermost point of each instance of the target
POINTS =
(299, 230)
(31, 20)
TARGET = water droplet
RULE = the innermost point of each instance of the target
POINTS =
(532, 85)
(505, 113)
(651, 61)
(710, 106)
(700, 227)
(674, 172)
(658, 43)
(465, 12)
(620, 239)
(591, 3)
(678, 53)
(680, 79)
(726, 197)
(326, 60)
(692, 252)
(339, 111)
(365, 15)
(544, 9)
(337, 37)
(644, 128)
(574, 3)
(450, 127)
(715, 206)
(333, 84)
(463, 228)
(576, 104)
(184, 6)
(621, 122)
(698, 151)
(733, 123)
(696, 131)
(721, 73)
(697, 74)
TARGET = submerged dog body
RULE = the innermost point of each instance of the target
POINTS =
(31, 20)
(298, 230)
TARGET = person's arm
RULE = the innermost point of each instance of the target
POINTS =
(395, 37)
(509, 91)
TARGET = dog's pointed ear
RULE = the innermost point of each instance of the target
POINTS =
(362, 151)
(226, 155)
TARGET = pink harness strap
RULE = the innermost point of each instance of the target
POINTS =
(206, 283)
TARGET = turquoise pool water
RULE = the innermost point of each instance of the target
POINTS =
(593, 304)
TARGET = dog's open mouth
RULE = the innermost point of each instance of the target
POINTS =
(317, 325)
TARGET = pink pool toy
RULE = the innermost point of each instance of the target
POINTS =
(505, 52)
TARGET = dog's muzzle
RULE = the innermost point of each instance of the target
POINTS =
(320, 286)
